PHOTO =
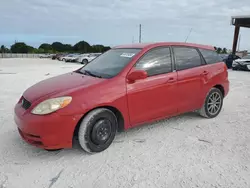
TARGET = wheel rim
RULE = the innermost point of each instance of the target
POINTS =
(101, 131)
(214, 103)
(84, 62)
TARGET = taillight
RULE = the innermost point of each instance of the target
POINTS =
(226, 70)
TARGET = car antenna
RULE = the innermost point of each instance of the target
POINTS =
(188, 34)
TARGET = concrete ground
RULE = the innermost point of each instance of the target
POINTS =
(185, 151)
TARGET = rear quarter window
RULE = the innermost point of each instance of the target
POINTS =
(210, 56)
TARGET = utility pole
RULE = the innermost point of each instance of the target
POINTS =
(239, 43)
(140, 33)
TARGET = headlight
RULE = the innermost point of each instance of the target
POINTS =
(238, 62)
(51, 105)
(234, 63)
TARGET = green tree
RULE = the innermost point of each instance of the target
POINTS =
(224, 51)
(59, 47)
(19, 47)
(106, 48)
(47, 48)
(219, 50)
(99, 48)
(67, 48)
(31, 49)
(82, 47)
(3, 49)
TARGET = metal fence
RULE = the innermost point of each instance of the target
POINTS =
(14, 55)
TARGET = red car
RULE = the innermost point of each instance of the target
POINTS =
(125, 87)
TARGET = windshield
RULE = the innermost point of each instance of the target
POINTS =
(110, 63)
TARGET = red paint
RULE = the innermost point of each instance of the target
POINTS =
(152, 98)
(138, 101)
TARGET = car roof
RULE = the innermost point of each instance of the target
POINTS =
(158, 44)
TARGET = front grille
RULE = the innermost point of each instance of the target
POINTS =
(25, 103)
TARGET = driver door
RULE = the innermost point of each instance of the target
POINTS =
(154, 97)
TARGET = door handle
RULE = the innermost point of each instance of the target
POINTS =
(171, 80)
(205, 73)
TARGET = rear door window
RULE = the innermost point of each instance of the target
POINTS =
(186, 58)
(210, 56)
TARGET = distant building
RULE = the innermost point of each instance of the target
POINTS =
(241, 53)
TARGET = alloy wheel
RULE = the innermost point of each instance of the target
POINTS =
(214, 103)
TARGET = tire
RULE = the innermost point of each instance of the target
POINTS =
(85, 61)
(206, 110)
(234, 68)
(97, 130)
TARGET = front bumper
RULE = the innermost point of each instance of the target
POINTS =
(238, 66)
(52, 131)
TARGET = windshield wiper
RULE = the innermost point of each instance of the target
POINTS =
(91, 74)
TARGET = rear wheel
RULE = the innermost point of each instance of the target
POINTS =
(97, 130)
(213, 104)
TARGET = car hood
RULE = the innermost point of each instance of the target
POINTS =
(242, 60)
(61, 83)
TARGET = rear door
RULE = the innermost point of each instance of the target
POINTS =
(189, 66)
(215, 68)
(155, 96)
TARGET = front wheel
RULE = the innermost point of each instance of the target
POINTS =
(213, 104)
(97, 130)
(85, 61)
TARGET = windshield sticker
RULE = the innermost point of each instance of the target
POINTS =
(129, 55)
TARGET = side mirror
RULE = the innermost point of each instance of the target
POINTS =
(137, 75)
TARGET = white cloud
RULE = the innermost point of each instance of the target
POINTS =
(116, 21)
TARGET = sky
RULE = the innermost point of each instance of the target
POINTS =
(114, 22)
